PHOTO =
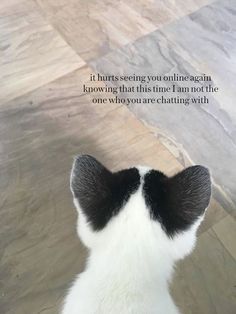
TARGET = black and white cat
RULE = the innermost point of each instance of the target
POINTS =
(136, 222)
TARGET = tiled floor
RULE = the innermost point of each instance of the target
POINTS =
(202, 42)
(48, 50)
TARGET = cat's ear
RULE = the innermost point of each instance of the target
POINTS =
(177, 202)
(189, 194)
(90, 184)
(100, 193)
(191, 190)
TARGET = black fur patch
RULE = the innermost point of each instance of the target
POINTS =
(178, 201)
(101, 193)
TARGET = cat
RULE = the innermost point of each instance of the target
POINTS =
(136, 223)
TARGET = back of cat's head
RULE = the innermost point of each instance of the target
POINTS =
(139, 210)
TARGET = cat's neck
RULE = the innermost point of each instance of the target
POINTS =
(135, 267)
(130, 249)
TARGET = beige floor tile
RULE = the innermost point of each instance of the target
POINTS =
(32, 53)
(226, 232)
(205, 281)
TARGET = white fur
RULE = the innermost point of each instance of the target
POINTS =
(130, 264)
